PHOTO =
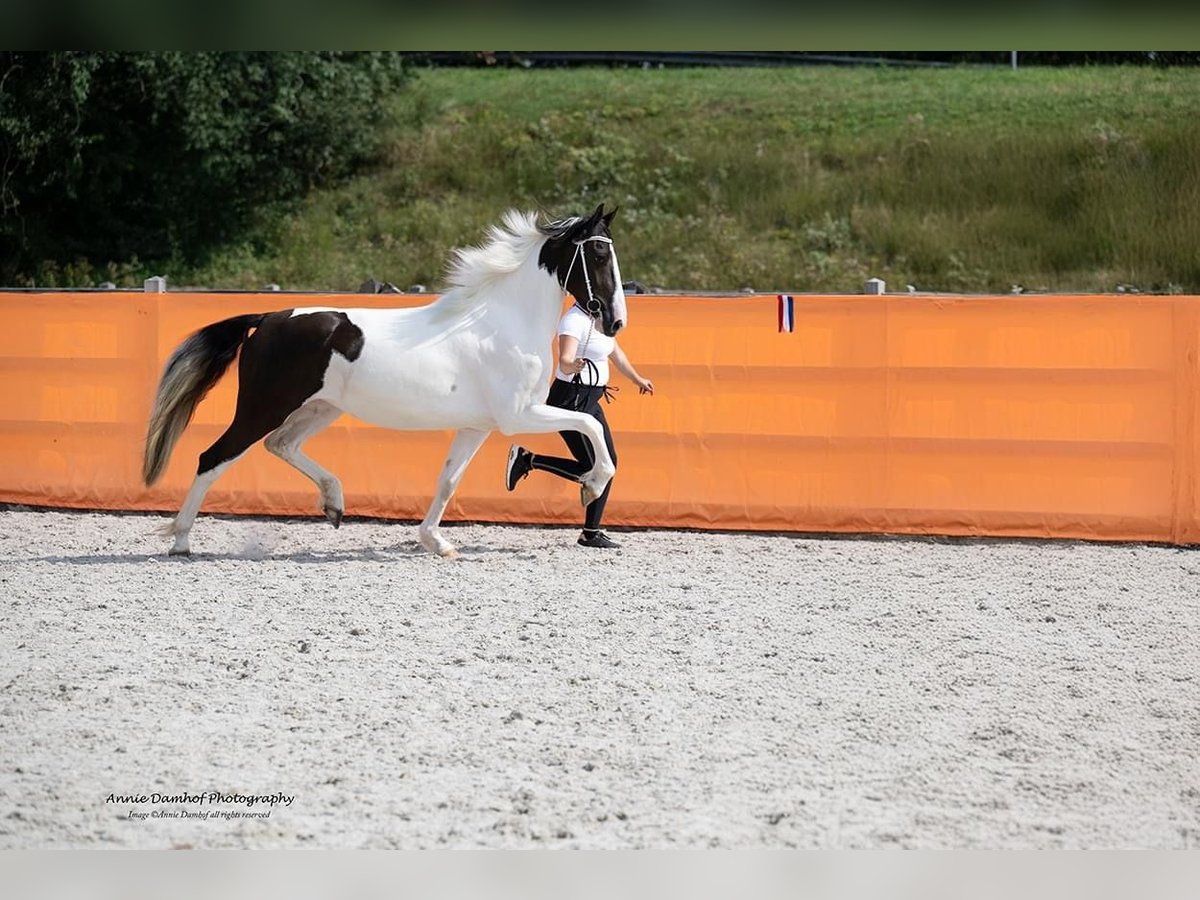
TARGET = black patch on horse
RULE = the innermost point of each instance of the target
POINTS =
(347, 338)
(561, 234)
(283, 363)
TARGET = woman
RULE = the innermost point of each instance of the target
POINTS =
(584, 354)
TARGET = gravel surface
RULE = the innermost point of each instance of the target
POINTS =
(688, 690)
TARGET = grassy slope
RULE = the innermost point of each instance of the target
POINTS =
(793, 179)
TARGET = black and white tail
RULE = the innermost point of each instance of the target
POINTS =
(196, 365)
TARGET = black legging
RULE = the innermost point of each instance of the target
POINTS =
(566, 395)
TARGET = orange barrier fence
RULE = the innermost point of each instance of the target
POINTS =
(1052, 416)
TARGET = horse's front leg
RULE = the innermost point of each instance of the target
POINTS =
(541, 418)
(463, 448)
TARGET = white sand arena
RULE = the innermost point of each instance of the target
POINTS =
(689, 690)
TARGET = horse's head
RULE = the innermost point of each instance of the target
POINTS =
(580, 254)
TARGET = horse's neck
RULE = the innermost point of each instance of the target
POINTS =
(527, 305)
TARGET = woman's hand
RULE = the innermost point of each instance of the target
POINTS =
(625, 367)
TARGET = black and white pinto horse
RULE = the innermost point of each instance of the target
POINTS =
(476, 360)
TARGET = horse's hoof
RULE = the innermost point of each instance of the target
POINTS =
(175, 551)
(587, 495)
(334, 516)
(448, 553)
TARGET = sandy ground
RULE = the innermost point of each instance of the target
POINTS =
(689, 690)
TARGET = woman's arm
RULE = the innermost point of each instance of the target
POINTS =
(625, 367)
(568, 347)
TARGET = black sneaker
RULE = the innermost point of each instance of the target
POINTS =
(520, 461)
(597, 539)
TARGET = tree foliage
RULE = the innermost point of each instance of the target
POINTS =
(107, 156)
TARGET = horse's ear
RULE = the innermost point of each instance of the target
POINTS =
(588, 225)
(610, 216)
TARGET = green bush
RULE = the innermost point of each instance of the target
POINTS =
(111, 156)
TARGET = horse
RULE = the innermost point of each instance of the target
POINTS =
(475, 360)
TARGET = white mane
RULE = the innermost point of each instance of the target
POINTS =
(507, 248)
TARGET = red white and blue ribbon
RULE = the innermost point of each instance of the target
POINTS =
(787, 313)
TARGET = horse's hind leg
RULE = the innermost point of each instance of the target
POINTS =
(239, 437)
(286, 440)
(181, 526)
(463, 448)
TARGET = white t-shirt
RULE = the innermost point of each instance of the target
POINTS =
(575, 322)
